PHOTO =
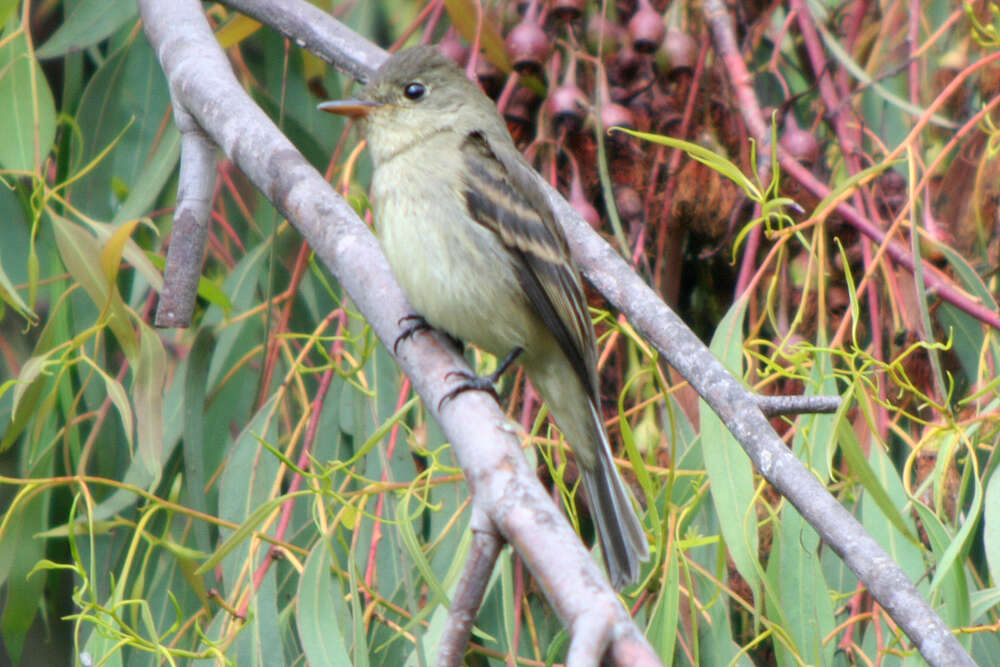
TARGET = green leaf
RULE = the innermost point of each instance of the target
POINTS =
(239, 537)
(7, 8)
(9, 295)
(31, 383)
(195, 384)
(124, 106)
(259, 643)
(405, 524)
(865, 475)
(712, 160)
(715, 635)
(245, 496)
(799, 590)
(316, 618)
(81, 254)
(150, 376)
(726, 463)
(949, 581)
(111, 253)
(662, 628)
(89, 22)
(901, 546)
(20, 550)
(155, 174)
(982, 601)
(991, 525)
(116, 392)
(28, 112)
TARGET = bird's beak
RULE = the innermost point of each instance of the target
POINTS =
(349, 108)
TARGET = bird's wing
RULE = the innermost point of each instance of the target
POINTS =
(503, 197)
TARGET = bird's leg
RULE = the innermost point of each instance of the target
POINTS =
(480, 382)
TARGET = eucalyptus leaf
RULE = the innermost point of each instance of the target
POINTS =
(28, 112)
(88, 23)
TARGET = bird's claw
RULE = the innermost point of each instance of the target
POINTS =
(470, 382)
(485, 383)
(418, 324)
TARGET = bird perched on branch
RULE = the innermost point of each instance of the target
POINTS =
(473, 242)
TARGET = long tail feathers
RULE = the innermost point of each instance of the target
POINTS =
(623, 541)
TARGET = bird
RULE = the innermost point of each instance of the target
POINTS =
(471, 238)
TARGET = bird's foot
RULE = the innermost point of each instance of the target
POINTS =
(472, 382)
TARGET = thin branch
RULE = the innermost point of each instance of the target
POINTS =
(191, 217)
(316, 31)
(776, 406)
(486, 544)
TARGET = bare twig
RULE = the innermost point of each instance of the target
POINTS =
(776, 406)
(314, 30)
(465, 604)
(191, 218)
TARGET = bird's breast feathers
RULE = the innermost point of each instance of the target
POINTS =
(455, 272)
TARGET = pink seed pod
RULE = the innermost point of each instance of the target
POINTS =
(646, 28)
(681, 50)
(528, 45)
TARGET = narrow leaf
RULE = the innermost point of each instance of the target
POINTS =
(28, 111)
(315, 615)
(89, 22)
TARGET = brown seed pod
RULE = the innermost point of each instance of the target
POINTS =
(612, 113)
(602, 32)
(489, 76)
(629, 203)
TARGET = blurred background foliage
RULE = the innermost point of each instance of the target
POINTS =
(264, 488)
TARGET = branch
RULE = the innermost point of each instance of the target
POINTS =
(471, 588)
(503, 486)
(190, 230)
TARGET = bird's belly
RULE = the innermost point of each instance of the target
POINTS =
(456, 275)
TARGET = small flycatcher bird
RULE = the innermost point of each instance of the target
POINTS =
(473, 242)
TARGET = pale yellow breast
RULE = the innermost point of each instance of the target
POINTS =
(456, 273)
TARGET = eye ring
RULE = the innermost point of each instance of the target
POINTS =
(414, 90)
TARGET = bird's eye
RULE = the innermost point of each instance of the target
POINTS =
(414, 90)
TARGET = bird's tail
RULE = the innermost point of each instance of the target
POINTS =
(623, 541)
